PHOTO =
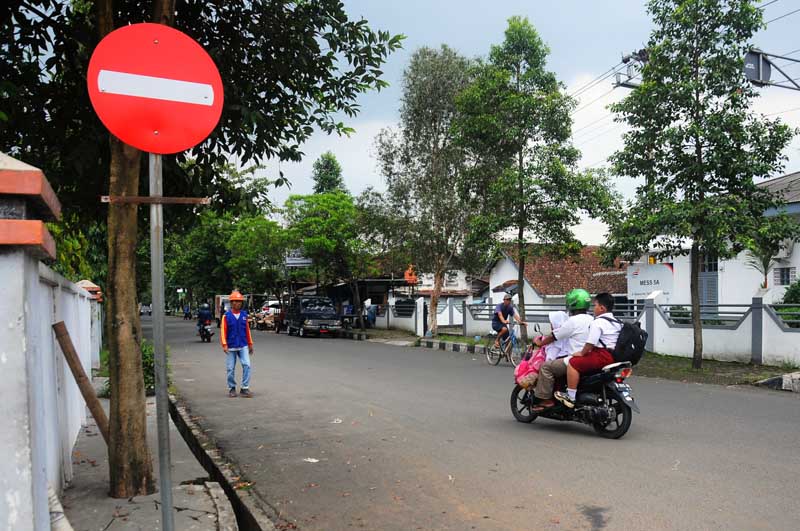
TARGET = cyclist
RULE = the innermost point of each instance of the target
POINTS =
(501, 318)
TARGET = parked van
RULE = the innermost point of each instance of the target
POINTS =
(315, 315)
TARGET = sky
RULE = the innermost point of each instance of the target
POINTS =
(586, 39)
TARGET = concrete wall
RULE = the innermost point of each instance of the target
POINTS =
(39, 399)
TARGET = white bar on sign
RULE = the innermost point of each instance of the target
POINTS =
(157, 88)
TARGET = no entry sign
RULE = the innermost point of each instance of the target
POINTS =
(155, 88)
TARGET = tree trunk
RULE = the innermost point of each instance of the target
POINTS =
(130, 466)
(438, 282)
(357, 304)
(521, 281)
(697, 323)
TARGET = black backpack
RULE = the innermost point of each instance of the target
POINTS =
(631, 342)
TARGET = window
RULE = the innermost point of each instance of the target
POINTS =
(785, 275)
(709, 265)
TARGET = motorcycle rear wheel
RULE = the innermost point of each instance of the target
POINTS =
(618, 426)
(521, 402)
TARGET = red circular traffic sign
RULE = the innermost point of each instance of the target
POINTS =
(155, 88)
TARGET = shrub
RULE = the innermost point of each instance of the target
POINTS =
(148, 367)
(792, 295)
(791, 313)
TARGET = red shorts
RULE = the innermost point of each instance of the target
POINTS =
(595, 360)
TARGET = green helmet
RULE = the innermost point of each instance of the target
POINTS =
(578, 299)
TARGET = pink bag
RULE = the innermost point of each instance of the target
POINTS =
(531, 365)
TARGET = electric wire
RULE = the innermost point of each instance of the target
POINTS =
(599, 135)
(783, 112)
(782, 16)
(767, 4)
(587, 126)
(598, 98)
(596, 80)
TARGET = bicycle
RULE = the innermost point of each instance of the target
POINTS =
(511, 348)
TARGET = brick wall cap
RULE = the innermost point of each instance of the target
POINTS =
(19, 178)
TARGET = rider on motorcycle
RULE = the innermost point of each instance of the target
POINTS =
(203, 315)
(575, 330)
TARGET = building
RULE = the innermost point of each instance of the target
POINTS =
(548, 279)
(732, 281)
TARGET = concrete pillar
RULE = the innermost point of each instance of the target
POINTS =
(649, 323)
(757, 341)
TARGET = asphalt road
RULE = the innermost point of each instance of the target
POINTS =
(408, 438)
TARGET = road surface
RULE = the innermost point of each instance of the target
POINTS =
(358, 435)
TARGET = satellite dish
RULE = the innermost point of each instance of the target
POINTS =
(757, 67)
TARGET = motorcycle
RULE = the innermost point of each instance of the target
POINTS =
(604, 401)
(206, 332)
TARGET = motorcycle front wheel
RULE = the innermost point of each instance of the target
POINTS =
(521, 403)
(618, 426)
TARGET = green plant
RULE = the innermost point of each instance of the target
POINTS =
(789, 365)
(792, 294)
(791, 313)
(148, 367)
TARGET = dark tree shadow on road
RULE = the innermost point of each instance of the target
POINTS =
(596, 516)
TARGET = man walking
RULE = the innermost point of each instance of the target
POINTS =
(237, 343)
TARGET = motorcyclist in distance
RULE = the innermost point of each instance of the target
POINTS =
(203, 315)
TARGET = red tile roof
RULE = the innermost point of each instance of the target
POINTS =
(556, 276)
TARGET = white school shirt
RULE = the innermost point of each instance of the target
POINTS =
(604, 333)
(576, 331)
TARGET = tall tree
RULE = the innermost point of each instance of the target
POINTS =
(257, 248)
(328, 225)
(287, 67)
(327, 174)
(516, 123)
(425, 170)
(695, 143)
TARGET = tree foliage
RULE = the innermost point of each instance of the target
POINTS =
(515, 122)
(695, 143)
(257, 248)
(428, 184)
(329, 227)
(287, 68)
(327, 174)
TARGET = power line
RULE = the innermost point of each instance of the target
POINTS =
(587, 126)
(596, 80)
(601, 96)
(767, 4)
(782, 16)
(605, 132)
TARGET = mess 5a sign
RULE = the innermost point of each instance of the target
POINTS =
(644, 279)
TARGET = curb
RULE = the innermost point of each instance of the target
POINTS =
(252, 513)
(787, 382)
(451, 346)
(355, 336)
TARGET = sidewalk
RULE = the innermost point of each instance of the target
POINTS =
(199, 504)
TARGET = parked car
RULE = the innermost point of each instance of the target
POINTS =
(315, 315)
(145, 309)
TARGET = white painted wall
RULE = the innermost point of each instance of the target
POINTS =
(39, 400)
(455, 280)
(738, 282)
(505, 269)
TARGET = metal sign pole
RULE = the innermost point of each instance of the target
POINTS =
(159, 344)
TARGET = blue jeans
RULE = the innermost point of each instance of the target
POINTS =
(230, 364)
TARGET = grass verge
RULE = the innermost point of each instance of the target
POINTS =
(464, 340)
(716, 372)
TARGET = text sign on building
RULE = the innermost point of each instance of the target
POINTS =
(643, 279)
(155, 88)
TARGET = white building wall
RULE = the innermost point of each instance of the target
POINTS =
(505, 269)
(738, 282)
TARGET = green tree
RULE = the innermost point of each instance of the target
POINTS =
(327, 174)
(428, 184)
(766, 241)
(515, 121)
(328, 227)
(257, 248)
(287, 67)
(694, 142)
